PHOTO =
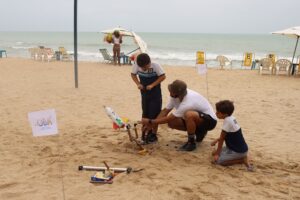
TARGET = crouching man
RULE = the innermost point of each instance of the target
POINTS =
(192, 113)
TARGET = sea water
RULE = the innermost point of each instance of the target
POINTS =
(165, 48)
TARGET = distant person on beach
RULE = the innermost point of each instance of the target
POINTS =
(116, 40)
(193, 113)
(235, 151)
(148, 76)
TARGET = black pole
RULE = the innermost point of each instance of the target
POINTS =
(75, 45)
(293, 66)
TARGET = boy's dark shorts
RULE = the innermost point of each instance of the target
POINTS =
(151, 106)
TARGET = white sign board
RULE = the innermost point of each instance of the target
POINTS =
(201, 68)
(43, 122)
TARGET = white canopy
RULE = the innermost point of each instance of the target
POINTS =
(122, 31)
(292, 32)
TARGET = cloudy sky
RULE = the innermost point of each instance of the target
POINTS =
(192, 16)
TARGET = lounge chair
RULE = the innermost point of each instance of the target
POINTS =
(106, 56)
(247, 62)
(64, 55)
(283, 66)
(266, 66)
(223, 60)
(3, 52)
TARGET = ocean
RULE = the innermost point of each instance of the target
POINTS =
(165, 48)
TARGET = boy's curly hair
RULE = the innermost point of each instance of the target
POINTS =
(225, 107)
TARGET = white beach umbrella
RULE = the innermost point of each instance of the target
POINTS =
(142, 45)
(122, 31)
(292, 32)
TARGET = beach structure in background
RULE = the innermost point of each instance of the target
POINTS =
(42, 53)
(266, 66)
(202, 67)
(223, 60)
(248, 61)
(164, 47)
(291, 32)
(200, 62)
(282, 66)
(142, 45)
(2, 52)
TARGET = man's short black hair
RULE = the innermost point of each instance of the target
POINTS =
(225, 107)
(143, 59)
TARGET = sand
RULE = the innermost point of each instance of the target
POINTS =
(267, 108)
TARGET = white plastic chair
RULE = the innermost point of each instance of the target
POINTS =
(283, 66)
(266, 66)
(223, 60)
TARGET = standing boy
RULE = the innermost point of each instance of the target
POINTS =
(148, 76)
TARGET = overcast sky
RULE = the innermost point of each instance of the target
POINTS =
(192, 16)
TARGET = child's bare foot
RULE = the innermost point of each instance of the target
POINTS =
(249, 166)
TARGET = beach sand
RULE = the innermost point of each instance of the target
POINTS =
(267, 108)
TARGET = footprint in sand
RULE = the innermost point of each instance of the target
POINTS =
(187, 189)
(8, 185)
(46, 151)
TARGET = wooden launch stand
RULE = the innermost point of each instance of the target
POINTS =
(134, 138)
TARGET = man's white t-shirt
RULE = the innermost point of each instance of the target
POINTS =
(191, 101)
(230, 125)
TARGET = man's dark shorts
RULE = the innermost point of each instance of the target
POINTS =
(208, 124)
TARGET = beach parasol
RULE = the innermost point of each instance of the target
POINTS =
(142, 45)
(292, 32)
(122, 31)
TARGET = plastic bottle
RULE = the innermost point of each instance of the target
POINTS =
(114, 117)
